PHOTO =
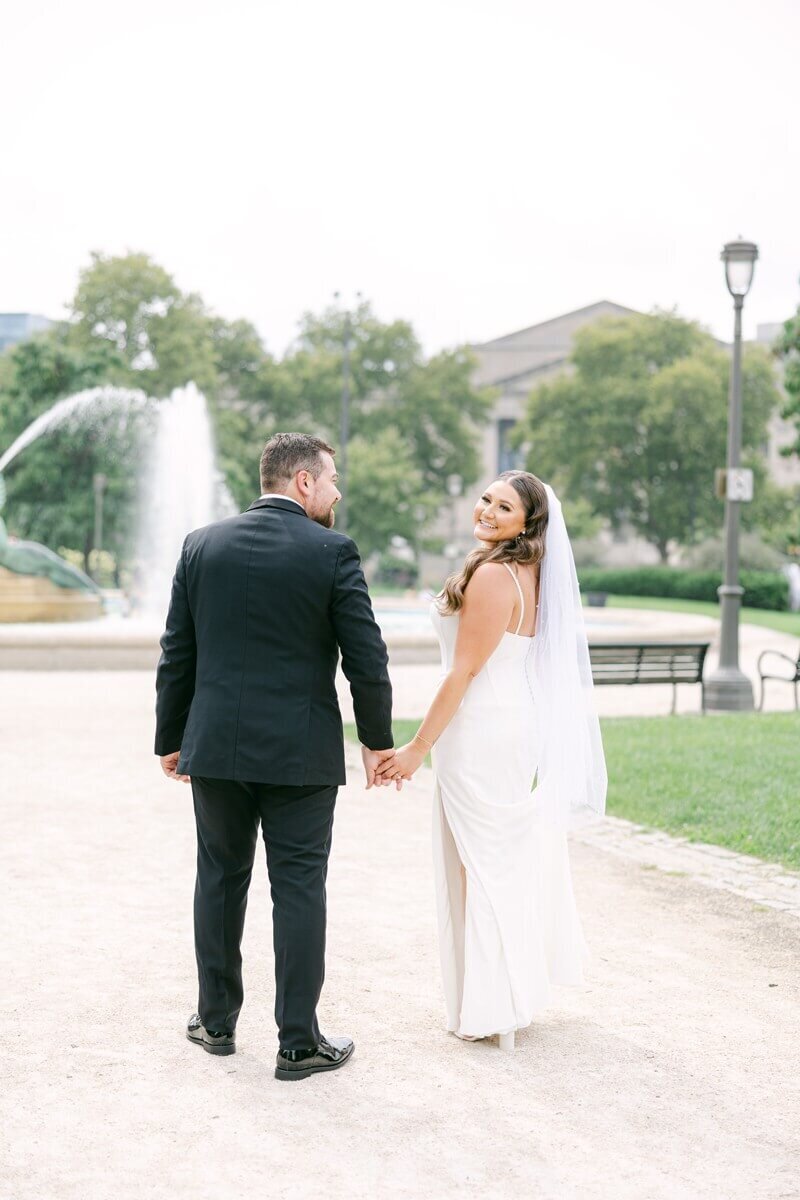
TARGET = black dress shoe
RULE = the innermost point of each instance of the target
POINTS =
(214, 1043)
(327, 1056)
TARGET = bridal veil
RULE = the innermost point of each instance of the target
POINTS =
(571, 777)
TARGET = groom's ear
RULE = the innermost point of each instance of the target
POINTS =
(302, 481)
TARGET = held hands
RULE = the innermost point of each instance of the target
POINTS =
(169, 765)
(373, 761)
(406, 761)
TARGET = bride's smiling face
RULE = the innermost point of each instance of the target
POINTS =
(499, 514)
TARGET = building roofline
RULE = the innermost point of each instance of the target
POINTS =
(533, 370)
(552, 321)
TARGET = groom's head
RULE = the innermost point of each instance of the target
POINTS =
(301, 466)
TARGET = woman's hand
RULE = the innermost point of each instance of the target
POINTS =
(407, 760)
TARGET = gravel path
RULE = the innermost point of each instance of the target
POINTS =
(674, 1073)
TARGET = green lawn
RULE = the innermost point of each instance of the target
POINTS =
(726, 779)
(784, 622)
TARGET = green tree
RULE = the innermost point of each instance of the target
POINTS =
(429, 405)
(124, 301)
(50, 486)
(775, 515)
(386, 493)
(130, 326)
(788, 345)
(254, 401)
(414, 420)
(165, 338)
(640, 423)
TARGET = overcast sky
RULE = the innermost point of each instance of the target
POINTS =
(473, 165)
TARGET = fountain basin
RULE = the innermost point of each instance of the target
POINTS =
(107, 644)
(409, 635)
(25, 598)
(130, 644)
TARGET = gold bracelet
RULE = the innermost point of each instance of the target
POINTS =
(419, 738)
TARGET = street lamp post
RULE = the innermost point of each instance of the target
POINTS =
(344, 416)
(344, 431)
(728, 689)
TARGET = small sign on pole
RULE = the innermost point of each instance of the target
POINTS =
(736, 485)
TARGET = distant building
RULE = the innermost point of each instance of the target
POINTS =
(15, 327)
(517, 363)
(514, 365)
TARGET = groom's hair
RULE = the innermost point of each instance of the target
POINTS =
(287, 453)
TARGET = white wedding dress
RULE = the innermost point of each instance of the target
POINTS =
(508, 925)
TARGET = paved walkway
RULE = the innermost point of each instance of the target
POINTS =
(766, 884)
(673, 1075)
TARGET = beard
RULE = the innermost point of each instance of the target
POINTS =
(326, 519)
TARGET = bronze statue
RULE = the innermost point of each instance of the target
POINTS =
(31, 558)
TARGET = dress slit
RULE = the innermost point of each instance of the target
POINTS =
(477, 922)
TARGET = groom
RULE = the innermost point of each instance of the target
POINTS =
(247, 708)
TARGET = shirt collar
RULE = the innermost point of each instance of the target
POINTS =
(280, 496)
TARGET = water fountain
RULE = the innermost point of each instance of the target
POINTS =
(98, 400)
(180, 489)
(35, 583)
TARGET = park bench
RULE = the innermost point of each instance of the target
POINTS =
(650, 662)
(785, 678)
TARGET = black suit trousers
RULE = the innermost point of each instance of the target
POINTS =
(297, 825)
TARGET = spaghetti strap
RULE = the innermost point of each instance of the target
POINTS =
(513, 575)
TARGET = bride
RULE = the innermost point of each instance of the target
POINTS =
(514, 708)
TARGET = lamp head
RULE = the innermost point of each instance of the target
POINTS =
(740, 260)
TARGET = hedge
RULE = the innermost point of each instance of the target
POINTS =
(762, 589)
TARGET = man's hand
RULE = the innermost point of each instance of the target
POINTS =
(407, 760)
(169, 765)
(372, 760)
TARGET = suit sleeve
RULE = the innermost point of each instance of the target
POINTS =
(364, 655)
(175, 674)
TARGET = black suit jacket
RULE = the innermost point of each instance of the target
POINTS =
(261, 604)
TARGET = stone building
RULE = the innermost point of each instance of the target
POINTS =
(514, 365)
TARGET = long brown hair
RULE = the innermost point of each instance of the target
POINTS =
(528, 547)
